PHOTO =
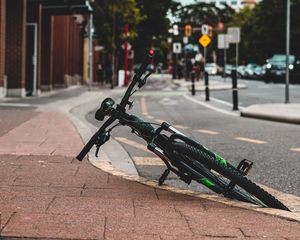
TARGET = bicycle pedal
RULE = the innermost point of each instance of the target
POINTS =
(245, 166)
(163, 177)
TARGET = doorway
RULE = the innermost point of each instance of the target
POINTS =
(31, 59)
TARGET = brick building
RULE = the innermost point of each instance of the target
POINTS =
(41, 44)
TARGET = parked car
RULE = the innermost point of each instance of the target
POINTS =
(211, 68)
(259, 72)
(241, 71)
(228, 69)
(249, 70)
(276, 69)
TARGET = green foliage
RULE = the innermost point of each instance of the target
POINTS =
(263, 28)
(153, 28)
(110, 16)
(147, 20)
(198, 14)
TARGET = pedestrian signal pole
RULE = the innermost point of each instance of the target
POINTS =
(287, 70)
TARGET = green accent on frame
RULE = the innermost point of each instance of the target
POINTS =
(221, 160)
(206, 182)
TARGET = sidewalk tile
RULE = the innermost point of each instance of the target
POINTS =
(85, 205)
(56, 226)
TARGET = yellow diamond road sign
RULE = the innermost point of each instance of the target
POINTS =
(204, 40)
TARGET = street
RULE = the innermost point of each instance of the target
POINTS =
(43, 187)
(268, 144)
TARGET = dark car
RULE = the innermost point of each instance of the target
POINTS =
(276, 69)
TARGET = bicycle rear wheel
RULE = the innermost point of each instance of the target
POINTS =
(205, 163)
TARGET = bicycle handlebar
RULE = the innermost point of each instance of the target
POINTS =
(136, 79)
(124, 102)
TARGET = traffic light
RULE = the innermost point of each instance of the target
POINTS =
(188, 30)
(151, 51)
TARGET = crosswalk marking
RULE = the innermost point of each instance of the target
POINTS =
(251, 140)
(295, 149)
(132, 143)
(150, 161)
(207, 131)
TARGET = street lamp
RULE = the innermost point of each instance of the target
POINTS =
(287, 70)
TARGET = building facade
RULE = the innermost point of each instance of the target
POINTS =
(41, 45)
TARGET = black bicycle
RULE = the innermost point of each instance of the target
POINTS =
(188, 159)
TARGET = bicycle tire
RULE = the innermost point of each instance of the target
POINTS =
(230, 173)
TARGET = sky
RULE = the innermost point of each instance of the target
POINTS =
(184, 2)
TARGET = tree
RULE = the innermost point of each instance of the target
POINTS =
(110, 18)
(198, 14)
(264, 29)
(153, 28)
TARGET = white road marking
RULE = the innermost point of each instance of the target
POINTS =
(180, 126)
(16, 105)
(211, 107)
(295, 149)
(225, 103)
(251, 140)
(208, 132)
(144, 106)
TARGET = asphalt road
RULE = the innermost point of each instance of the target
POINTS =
(268, 144)
(258, 92)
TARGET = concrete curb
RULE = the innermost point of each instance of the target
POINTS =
(274, 112)
(107, 167)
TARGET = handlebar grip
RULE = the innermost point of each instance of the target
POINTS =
(86, 149)
(145, 63)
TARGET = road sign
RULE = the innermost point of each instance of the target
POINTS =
(204, 40)
(234, 35)
(128, 46)
(204, 29)
(176, 48)
(222, 41)
(185, 40)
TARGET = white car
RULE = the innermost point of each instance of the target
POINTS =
(211, 68)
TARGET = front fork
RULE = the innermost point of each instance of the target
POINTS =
(160, 153)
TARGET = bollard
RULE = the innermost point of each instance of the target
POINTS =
(234, 90)
(206, 86)
(193, 82)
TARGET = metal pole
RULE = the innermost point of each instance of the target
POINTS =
(287, 75)
(176, 65)
(185, 68)
(234, 90)
(206, 81)
(193, 82)
(225, 60)
(126, 55)
(237, 57)
(90, 52)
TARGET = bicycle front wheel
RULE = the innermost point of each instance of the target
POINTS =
(220, 174)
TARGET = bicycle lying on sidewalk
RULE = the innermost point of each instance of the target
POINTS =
(188, 159)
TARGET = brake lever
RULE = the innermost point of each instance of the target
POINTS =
(103, 138)
(143, 81)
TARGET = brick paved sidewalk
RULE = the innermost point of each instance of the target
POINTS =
(45, 193)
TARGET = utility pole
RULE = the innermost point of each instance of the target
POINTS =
(287, 70)
(126, 55)
(90, 52)
(113, 37)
